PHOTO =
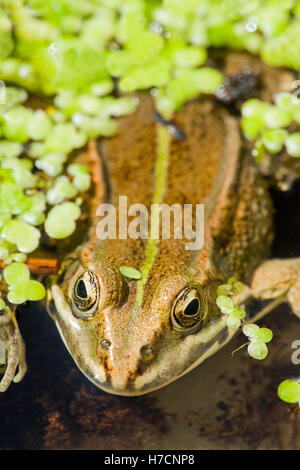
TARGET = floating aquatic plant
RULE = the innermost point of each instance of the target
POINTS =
(267, 124)
(84, 57)
(129, 272)
(225, 293)
(258, 337)
(289, 391)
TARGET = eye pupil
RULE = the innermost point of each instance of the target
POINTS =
(189, 310)
(81, 289)
(192, 308)
(84, 295)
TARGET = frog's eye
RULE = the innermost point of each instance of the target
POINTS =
(85, 295)
(189, 309)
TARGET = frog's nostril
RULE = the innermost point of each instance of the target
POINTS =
(147, 351)
(105, 344)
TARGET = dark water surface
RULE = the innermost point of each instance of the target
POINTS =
(226, 403)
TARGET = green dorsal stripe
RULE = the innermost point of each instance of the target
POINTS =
(161, 167)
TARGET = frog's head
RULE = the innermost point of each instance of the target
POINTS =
(131, 337)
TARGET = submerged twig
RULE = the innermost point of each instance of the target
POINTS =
(172, 128)
(39, 265)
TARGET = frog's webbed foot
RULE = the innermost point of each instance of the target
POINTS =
(10, 336)
(278, 278)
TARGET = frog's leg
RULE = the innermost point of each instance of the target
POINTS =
(278, 279)
(11, 336)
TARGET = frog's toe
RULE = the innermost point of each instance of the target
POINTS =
(11, 336)
(293, 296)
(278, 278)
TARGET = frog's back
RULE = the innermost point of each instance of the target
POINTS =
(211, 167)
(245, 236)
(140, 335)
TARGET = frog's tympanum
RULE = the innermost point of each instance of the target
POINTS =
(128, 336)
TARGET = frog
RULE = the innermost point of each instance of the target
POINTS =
(131, 336)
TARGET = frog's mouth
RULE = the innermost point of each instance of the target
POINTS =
(80, 341)
(199, 347)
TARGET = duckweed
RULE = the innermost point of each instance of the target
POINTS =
(23, 235)
(289, 391)
(129, 272)
(273, 140)
(81, 176)
(21, 287)
(225, 294)
(258, 338)
(60, 221)
(258, 351)
(16, 273)
(62, 189)
(292, 143)
(268, 125)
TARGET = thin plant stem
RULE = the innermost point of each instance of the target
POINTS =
(245, 344)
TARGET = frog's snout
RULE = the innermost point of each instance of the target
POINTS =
(124, 367)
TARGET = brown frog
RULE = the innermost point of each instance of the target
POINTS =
(130, 336)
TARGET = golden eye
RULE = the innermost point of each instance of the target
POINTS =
(85, 296)
(188, 309)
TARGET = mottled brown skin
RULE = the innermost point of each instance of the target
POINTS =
(209, 167)
(212, 166)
